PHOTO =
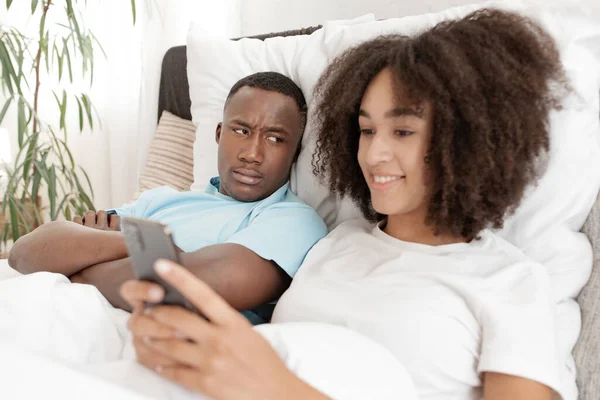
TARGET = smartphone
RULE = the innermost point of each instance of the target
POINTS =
(148, 241)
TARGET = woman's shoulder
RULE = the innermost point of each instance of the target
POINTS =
(492, 243)
(513, 266)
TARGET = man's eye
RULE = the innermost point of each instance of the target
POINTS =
(275, 139)
(366, 131)
(241, 131)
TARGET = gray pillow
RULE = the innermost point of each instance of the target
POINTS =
(587, 350)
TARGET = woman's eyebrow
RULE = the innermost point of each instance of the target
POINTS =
(404, 111)
(396, 112)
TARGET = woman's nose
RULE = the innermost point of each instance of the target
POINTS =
(379, 150)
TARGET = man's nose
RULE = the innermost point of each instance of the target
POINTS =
(253, 150)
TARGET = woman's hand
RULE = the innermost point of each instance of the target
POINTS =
(221, 356)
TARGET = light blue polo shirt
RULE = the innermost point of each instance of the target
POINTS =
(280, 228)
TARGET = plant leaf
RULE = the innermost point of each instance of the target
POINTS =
(63, 111)
(35, 186)
(34, 4)
(88, 109)
(60, 58)
(67, 212)
(5, 231)
(52, 192)
(22, 127)
(30, 156)
(68, 151)
(45, 50)
(87, 178)
(66, 52)
(98, 43)
(43, 25)
(133, 11)
(14, 218)
(8, 71)
(61, 207)
(8, 3)
(5, 108)
(80, 114)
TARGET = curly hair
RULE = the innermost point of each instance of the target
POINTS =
(492, 79)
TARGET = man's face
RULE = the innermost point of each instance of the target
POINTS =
(258, 143)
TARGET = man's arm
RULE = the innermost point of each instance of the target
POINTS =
(236, 273)
(66, 248)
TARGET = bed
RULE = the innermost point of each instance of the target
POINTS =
(122, 378)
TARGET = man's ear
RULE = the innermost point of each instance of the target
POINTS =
(297, 152)
(218, 132)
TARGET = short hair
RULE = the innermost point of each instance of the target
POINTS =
(492, 78)
(273, 82)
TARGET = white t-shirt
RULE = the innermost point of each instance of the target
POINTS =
(448, 313)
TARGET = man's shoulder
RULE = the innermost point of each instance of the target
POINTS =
(290, 208)
(290, 202)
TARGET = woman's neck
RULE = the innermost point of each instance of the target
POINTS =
(412, 228)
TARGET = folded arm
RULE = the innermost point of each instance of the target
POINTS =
(66, 248)
(244, 279)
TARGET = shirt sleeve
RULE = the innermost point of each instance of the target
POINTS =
(283, 235)
(519, 334)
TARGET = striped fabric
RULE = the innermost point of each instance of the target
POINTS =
(171, 156)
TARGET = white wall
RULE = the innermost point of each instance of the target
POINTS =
(263, 16)
(125, 90)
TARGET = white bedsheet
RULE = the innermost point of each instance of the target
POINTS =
(64, 339)
(59, 339)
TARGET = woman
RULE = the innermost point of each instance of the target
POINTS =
(448, 128)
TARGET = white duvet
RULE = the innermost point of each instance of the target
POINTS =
(64, 339)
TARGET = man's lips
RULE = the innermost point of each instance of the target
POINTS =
(247, 176)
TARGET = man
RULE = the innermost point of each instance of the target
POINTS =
(245, 235)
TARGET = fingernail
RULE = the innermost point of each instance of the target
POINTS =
(162, 267)
(155, 294)
(159, 368)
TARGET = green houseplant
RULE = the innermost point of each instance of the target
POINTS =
(64, 51)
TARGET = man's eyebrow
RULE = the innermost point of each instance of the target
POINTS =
(396, 112)
(241, 123)
(277, 129)
(273, 129)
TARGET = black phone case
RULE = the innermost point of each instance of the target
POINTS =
(148, 241)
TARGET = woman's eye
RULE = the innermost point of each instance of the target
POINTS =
(403, 133)
(274, 139)
(366, 131)
(241, 131)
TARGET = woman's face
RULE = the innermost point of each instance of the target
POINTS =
(394, 140)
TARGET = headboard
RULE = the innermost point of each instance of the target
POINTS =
(174, 92)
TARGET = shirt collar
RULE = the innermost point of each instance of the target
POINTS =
(214, 185)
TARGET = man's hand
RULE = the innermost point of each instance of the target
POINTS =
(99, 220)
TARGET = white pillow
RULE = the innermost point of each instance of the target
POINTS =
(215, 65)
(546, 225)
(339, 362)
